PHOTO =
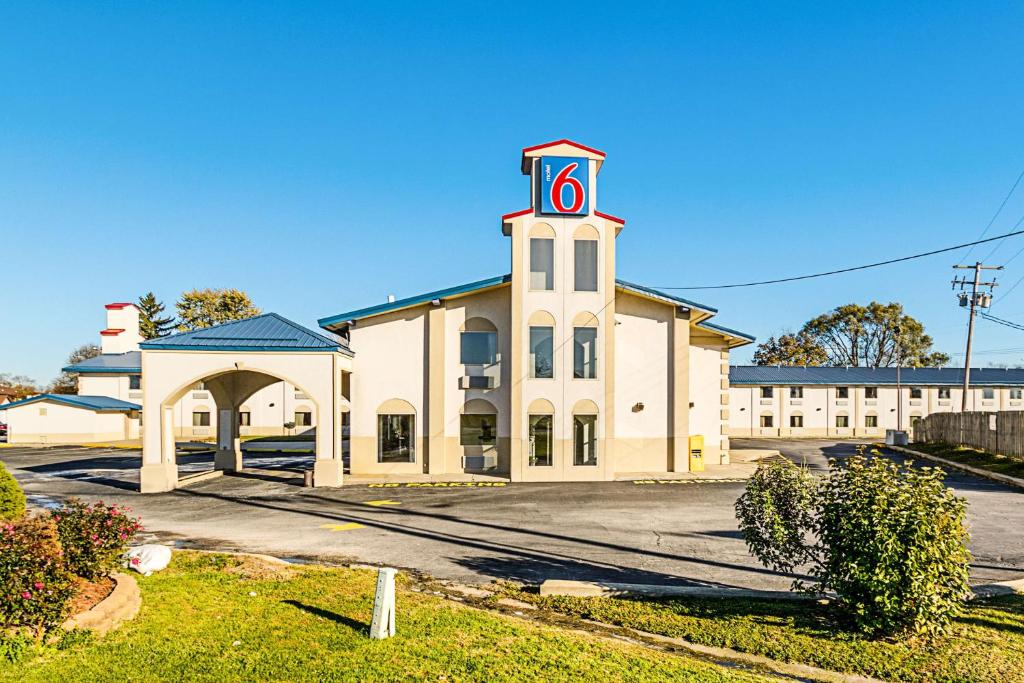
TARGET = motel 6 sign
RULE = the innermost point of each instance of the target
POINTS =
(564, 186)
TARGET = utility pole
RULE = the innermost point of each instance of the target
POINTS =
(899, 384)
(973, 301)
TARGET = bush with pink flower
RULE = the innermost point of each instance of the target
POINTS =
(36, 587)
(94, 537)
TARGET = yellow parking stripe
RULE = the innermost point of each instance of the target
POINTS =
(379, 503)
(342, 527)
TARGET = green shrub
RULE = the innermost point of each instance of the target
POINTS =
(14, 647)
(12, 498)
(889, 540)
(35, 585)
(776, 513)
(94, 537)
(896, 546)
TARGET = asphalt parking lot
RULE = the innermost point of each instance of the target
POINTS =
(610, 531)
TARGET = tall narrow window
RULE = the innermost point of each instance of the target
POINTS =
(303, 419)
(542, 263)
(200, 419)
(244, 419)
(540, 440)
(479, 348)
(135, 382)
(796, 420)
(542, 355)
(584, 342)
(586, 265)
(796, 392)
(584, 439)
(395, 438)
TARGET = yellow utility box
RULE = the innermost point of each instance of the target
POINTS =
(697, 453)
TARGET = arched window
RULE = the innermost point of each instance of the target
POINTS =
(542, 257)
(871, 420)
(479, 342)
(767, 420)
(584, 433)
(542, 345)
(842, 421)
(584, 346)
(396, 431)
(585, 248)
(796, 420)
(478, 424)
(542, 420)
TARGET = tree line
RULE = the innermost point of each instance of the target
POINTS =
(195, 309)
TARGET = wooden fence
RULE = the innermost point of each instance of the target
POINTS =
(1001, 432)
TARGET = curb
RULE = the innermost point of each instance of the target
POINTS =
(995, 476)
(588, 589)
(122, 604)
(992, 590)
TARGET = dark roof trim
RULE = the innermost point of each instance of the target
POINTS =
(97, 404)
(765, 375)
(721, 329)
(667, 298)
(357, 314)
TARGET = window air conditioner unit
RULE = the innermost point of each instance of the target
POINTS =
(480, 462)
(476, 382)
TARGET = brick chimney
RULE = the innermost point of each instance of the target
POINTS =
(122, 333)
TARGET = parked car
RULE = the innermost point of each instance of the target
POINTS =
(3, 431)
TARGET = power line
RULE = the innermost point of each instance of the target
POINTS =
(995, 216)
(1000, 321)
(854, 268)
(999, 244)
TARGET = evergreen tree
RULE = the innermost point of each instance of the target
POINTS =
(151, 323)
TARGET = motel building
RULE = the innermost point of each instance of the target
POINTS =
(556, 371)
(796, 401)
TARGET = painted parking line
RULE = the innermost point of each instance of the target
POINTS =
(349, 526)
(440, 484)
(381, 503)
(688, 481)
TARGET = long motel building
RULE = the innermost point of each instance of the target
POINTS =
(781, 401)
(556, 370)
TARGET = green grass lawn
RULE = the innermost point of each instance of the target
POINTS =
(986, 643)
(199, 622)
(974, 458)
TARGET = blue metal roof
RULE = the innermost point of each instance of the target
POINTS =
(799, 375)
(116, 363)
(669, 298)
(267, 332)
(94, 403)
(726, 330)
(484, 284)
(413, 301)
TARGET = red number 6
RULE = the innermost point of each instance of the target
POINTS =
(561, 180)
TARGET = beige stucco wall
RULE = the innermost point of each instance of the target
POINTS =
(706, 395)
(392, 361)
(642, 369)
(49, 422)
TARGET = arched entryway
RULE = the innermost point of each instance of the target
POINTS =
(234, 361)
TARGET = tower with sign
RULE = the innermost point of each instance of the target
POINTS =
(562, 319)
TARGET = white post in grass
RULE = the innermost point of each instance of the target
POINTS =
(383, 624)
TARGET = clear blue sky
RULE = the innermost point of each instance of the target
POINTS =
(323, 156)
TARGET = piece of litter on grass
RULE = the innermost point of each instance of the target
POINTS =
(237, 643)
(252, 594)
(518, 614)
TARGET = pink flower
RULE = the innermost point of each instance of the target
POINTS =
(135, 560)
(38, 585)
(26, 595)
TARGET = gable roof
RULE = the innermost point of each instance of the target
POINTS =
(408, 302)
(115, 363)
(93, 403)
(529, 152)
(470, 287)
(800, 375)
(267, 332)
